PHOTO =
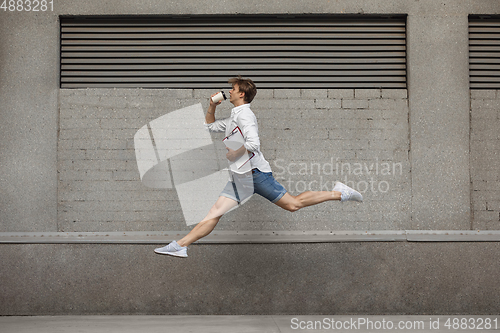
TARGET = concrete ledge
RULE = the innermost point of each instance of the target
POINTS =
(249, 237)
(330, 278)
(453, 235)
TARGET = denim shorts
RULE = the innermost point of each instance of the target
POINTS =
(264, 184)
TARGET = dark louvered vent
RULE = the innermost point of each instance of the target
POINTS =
(303, 51)
(484, 52)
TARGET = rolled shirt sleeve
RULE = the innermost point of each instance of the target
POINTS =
(216, 126)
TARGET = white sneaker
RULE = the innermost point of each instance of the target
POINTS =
(173, 249)
(348, 194)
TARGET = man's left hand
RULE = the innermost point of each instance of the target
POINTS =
(232, 155)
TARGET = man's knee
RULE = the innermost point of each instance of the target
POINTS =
(292, 207)
(215, 213)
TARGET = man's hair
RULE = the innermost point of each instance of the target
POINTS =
(245, 85)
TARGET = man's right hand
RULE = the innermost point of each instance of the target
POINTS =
(212, 103)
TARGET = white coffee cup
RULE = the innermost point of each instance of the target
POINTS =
(219, 97)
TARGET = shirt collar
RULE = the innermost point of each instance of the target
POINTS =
(238, 109)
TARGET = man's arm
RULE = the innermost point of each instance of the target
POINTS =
(210, 123)
(210, 116)
(248, 125)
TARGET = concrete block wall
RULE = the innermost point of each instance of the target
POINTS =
(485, 158)
(311, 137)
(68, 156)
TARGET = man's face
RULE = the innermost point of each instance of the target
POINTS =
(235, 95)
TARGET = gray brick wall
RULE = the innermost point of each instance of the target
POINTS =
(311, 137)
(485, 158)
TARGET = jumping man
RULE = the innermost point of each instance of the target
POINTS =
(241, 95)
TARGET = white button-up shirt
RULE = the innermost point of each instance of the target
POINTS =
(244, 118)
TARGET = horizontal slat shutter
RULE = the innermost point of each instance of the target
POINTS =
(484, 52)
(304, 51)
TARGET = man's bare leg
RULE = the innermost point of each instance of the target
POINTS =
(308, 198)
(205, 227)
